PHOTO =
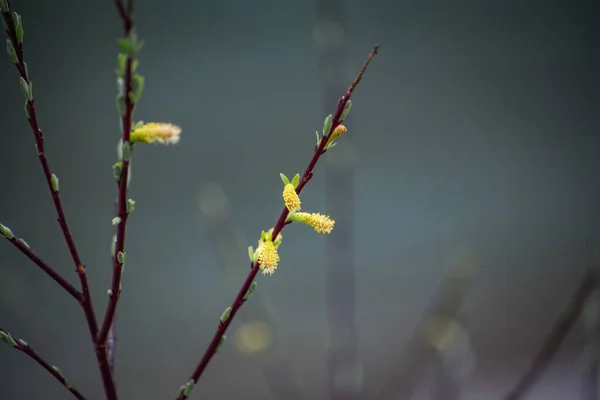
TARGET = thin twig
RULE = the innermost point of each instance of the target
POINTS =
(86, 301)
(553, 341)
(115, 292)
(25, 348)
(111, 339)
(306, 176)
(25, 249)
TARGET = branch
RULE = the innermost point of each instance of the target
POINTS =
(24, 347)
(554, 340)
(240, 298)
(122, 213)
(14, 29)
(25, 249)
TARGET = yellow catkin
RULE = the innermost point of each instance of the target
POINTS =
(268, 257)
(156, 132)
(291, 198)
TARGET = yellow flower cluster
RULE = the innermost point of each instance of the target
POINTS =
(156, 132)
(268, 257)
(291, 198)
(266, 253)
(321, 223)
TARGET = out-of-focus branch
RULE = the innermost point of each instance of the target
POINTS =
(557, 335)
(418, 353)
(591, 353)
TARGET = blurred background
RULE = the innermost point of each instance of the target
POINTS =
(465, 194)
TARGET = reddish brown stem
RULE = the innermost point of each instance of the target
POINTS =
(86, 302)
(25, 348)
(126, 18)
(281, 222)
(25, 249)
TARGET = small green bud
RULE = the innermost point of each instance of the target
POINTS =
(284, 179)
(137, 125)
(129, 174)
(137, 87)
(346, 110)
(109, 293)
(121, 108)
(126, 151)
(318, 138)
(117, 170)
(263, 236)
(16, 19)
(138, 44)
(225, 315)
(24, 243)
(120, 84)
(126, 47)
(23, 343)
(3, 6)
(130, 45)
(295, 180)
(113, 245)
(58, 371)
(120, 148)
(130, 206)
(26, 89)
(27, 110)
(11, 51)
(116, 221)
(6, 338)
(327, 125)
(121, 68)
(251, 253)
(187, 388)
(19, 29)
(251, 290)
(221, 343)
(54, 182)
(19, 32)
(6, 232)
(121, 257)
